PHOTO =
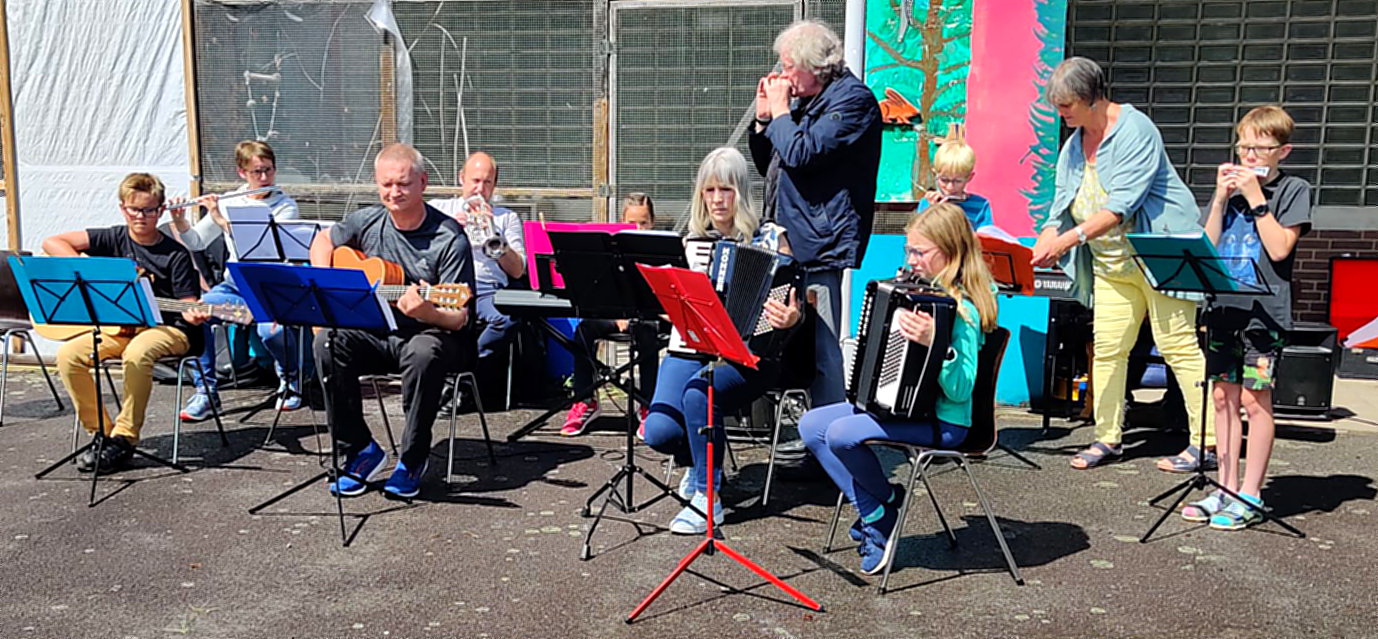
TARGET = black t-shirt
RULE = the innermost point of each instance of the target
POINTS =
(437, 251)
(167, 265)
(1289, 200)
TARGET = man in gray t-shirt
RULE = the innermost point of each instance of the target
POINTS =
(472, 209)
(429, 342)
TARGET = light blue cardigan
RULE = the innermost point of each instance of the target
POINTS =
(1144, 188)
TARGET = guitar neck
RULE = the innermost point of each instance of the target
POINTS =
(169, 305)
(394, 292)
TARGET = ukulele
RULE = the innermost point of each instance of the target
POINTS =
(388, 279)
(233, 313)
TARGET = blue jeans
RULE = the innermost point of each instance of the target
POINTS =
(498, 329)
(834, 433)
(281, 343)
(827, 382)
(679, 409)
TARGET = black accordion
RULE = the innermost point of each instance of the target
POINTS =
(891, 376)
(745, 277)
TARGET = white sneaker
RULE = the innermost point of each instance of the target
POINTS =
(689, 522)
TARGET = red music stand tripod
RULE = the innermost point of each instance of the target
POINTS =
(694, 308)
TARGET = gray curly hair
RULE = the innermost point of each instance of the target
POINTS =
(813, 45)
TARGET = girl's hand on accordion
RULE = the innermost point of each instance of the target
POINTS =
(916, 326)
(781, 316)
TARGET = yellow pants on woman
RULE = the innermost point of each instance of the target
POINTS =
(1121, 300)
(138, 352)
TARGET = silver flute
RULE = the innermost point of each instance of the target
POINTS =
(197, 201)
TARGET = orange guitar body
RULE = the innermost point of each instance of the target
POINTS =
(377, 269)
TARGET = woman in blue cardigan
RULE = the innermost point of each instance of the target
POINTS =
(1114, 177)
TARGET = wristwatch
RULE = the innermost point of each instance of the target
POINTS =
(1257, 211)
(1081, 235)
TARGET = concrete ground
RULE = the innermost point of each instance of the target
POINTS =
(165, 554)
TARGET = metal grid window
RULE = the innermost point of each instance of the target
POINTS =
(1196, 67)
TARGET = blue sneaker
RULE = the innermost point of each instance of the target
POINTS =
(876, 549)
(405, 482)
(198, 408)
(366, 464)
(857, 532)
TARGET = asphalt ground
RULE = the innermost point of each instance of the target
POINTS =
(497, 552)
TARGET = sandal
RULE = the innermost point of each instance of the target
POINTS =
(1096, 455)
(1187, 460)
(1237, 515)
(1203, 510)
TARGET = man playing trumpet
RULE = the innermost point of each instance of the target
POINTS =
(496, 262)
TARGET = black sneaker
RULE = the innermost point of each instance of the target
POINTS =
(115, 455)
(805, 469)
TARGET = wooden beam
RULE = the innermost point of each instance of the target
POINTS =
(387, 91)
(11, 185)
(601, 211)
(189, 90)
(318, 189)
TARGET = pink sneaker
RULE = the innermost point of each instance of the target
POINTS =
(641, 430)
(581, 414)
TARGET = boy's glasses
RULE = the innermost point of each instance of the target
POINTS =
(951, 180)
(1243, 150)
(262, 171)
(150, 212)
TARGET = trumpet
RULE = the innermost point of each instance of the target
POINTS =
(482, 233)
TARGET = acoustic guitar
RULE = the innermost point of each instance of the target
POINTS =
(388, 279)
(233, 313)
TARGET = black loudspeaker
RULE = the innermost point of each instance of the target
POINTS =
(1306, 373)
(1359, 363)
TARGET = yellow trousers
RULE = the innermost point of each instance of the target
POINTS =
(1121, 301)
(139, 352)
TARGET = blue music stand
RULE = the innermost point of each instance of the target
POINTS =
(103, 292)
(330, 298)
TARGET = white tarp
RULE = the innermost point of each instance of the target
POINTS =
(98, 93)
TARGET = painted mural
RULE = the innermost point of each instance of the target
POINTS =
(981, 63)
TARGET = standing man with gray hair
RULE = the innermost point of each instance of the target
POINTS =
(817, 142)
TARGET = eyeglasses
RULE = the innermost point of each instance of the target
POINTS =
(951, 180)
(916, 253)
(149, 212)
(262, 171)
(1243, 150)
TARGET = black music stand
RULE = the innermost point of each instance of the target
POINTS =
(601, 282)
(104, 292)
(330, 298)
(695, 309)
(260, 238)
(1191, 265)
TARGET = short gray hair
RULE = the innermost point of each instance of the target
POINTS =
(813, 45)
(1077, 78)
(399, 151)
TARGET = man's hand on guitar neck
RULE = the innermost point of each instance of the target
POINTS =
(195, 316)
(418, 308)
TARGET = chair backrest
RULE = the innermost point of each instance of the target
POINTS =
(983, 432)
(11, 300)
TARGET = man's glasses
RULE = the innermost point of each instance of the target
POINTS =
(150, 212)
(1243, 150)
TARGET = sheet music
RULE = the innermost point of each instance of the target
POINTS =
(699, 253)
(297, 236)
(251, 230)
(386, 309)
(146, 288)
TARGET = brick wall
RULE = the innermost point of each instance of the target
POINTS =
(1311, 275)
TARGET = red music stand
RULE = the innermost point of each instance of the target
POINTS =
(694, 308)
(1010, 264)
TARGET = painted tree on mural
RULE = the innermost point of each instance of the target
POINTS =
(1042, 116)
(921, 48)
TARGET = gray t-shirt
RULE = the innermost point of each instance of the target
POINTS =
(1289, 199)
(437, 251)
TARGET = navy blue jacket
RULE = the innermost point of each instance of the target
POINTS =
(829, 151)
